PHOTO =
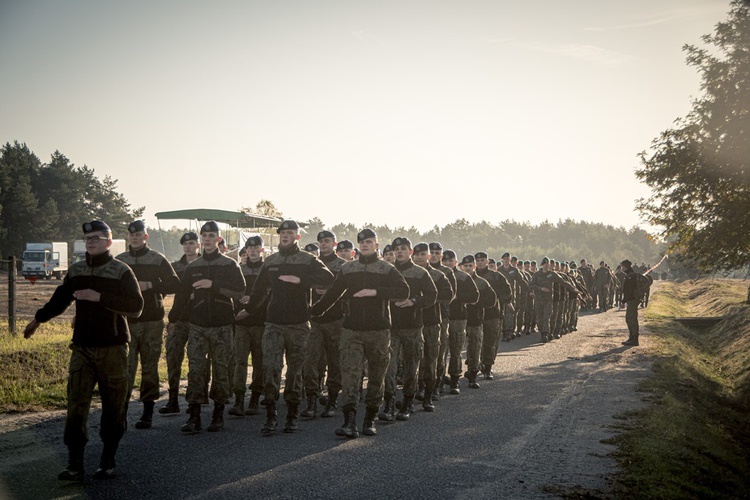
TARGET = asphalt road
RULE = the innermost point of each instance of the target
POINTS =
(533, 432)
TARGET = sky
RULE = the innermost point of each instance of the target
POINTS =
(405, 113)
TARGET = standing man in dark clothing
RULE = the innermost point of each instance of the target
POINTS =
(493, 315)
(631, 299)
(368, 284)
(518, 284)
(475, 320)
(156, 279)
(105, 291)
(436, 262)
(209, 288)
(288, 276)
(248, 336)
(588, 279)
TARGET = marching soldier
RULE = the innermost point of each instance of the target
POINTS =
(493, 315)
(475, 319)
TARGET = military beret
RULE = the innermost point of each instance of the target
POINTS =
(137, 226)
(221, 242)
(96, 225)
(341, 245)
(601, 262)
(401, 240)
(573, 264)
(626, 263)
(506, 254)
(210, 227)
(421, 247)
(189, 236)
(480, 255)
(365, 234)
(468, 259)
(532, 262)
(436, 246)
(552, 261)
(491, 261)
(528, 262)
(288, 224)
(326, 234)
(312, 247)
(449, 254)
(387, 248)
(254, 241)
(514, 259)
(545, 260)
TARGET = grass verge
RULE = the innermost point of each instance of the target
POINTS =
(691, 441)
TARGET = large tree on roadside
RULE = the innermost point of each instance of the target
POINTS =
(698, 171)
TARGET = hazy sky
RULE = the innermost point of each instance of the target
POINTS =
(399, 113)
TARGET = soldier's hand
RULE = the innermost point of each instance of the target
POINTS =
(30, 329)
(245, 299)
(405, 303)
(290, 279)
(87, 294)
(365, 292)
(203, 284)
(545, 290)
(242, 315)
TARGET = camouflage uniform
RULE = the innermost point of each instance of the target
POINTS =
(432, 331)
(493, 317)
(444, 325)
(602, 280)
(475, 319)
(467, 294)
(518, 284)
(545, 279)
(248, 340)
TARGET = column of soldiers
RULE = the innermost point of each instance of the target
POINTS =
(336, 315)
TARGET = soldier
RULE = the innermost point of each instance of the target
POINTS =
(367, 284)
(542, 284)
(248, 335)
(467, 294)
(210, 286)
(492, 264)
(493, 315)
(631, 299)
(288, 275)
(436, 262)
(620, 276)
(388, 254)
(475, 319)
(529, 324)
(325, 338)
(105, 291)
(312, 248)
(345, 250)
(407, 342)
(603, 281)
(588, 278)
(518, 284)
(178, 329)
(156, 278)
(431, 330)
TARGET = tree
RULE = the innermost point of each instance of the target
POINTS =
(698, 171)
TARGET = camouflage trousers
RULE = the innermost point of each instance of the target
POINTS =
(407, 347)
(106, 367)
(573, 312)
(278, 341)
(473, 347)
(442, 361)
(509, 318)
(145, 342)
(175, 345)
(214, 342)
(631, 318)
(543, 314)
(490, 341)
(603, 292)
(248, 341)
(521, 312)
(325, 339)
(429, 363)
(357, 347)
(456, 339)
(530, 316)
(556, 319)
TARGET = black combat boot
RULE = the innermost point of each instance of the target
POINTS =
(454, 385)
(368, 427)
(271, 418)
(472, 376)
(419, 396)
(312, 406)
(193, 425)
(331, 404)
(389, 409)
(253, 407)
(106, 468)
(217, 419)
(238, 410)
(291, 417)
(173, 406)
(407, 407)
(74, 470)
(147, 417)
(632, 341)
(349, 428)
(427, 402)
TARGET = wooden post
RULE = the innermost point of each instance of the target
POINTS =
(12, 296)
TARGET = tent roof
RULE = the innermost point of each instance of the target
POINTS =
(232, 218)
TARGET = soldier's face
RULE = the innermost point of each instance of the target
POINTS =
(421, 258)
(210, 241)
(346, 253)
(403, 253)
(287, 237)
(97, 242)
(137, 240)
(254, 253)
(326, 246)
(368, 247)
(527, 267)
(190, 248)
(492, 266)
(468, 267)
(481, 262)
(452, 262)
(389, 257)
(436, 256)
(506, 261)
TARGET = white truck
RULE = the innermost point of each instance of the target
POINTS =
(79, 249)
(45, 260)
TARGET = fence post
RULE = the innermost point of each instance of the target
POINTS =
(12, 296)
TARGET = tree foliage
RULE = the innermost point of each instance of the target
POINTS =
(698, 171)
(50, 201)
